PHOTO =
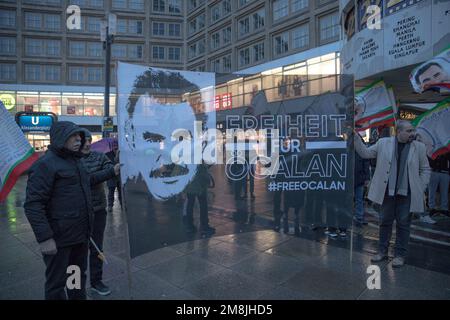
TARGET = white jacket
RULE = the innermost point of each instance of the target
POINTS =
(417, 166)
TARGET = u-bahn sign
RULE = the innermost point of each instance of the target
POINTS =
(35, 121)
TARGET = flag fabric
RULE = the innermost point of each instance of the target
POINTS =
(433, 129)
(16, 153)
(374, 106)
(433, 75)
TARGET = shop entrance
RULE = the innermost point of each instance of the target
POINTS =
(39, 141)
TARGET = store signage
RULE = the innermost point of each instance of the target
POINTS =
(8, 101)
(223, 101)
(108, 124)
(35, 121)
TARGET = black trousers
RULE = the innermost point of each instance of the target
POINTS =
(111, 190)
(203, 202)
(277, 212)
(251, 178)
(56, 272)
(98, 230)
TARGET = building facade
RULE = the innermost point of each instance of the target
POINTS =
(48, 65)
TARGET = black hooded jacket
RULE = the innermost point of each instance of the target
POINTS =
(94, 162)
(58, 201)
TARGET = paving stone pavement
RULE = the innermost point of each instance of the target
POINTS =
(262, 264)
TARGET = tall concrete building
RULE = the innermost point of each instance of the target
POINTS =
(48, 65)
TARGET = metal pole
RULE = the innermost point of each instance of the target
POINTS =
(107, 76)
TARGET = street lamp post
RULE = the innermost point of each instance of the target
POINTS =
(107, 32)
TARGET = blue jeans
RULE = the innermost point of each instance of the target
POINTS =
(438, 179)
(359, 203)
(395, 208)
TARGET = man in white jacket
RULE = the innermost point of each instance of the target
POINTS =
(398, 185)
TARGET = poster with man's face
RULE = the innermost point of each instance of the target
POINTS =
(433, 74)
(162, 117)
(167, 137)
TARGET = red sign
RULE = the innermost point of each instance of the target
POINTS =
(223, 101)
(227, 101)
(217, 103)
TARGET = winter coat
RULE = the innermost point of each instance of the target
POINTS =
(362, 173)
(114, 160)
(58, 201)
(94, 162)
(417, 166)
(199, 185)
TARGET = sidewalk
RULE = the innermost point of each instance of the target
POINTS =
(255, 265)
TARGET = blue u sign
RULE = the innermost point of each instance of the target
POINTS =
(35, 122)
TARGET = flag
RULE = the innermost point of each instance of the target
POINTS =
(433, 129)
(433, 75)
(373, 106)
(16, 153)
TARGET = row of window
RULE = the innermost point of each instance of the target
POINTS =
(171, 54)
(252, 23)
(221, 64)
(52, 22)
(166, 29)
(252, 54)
(288, 41)
(220, 38)
(196, 24)
(196, 49)
(169, 6)
(52, 73)
(329, 24)
(87, 49)
(194, 4)
(284, 8)
(220, 10)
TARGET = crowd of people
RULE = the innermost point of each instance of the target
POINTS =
(67, 207)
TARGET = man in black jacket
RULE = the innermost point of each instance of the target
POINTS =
(58, 206)
(94, 162)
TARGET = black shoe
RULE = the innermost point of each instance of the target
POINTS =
(445, 213)
(277, 225)
(433, 212)
(100, 288)
(331, 232)
(190, 228)
(207, 231)
(285, 226)
(251, 219)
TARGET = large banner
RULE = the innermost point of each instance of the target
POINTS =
(16, 153)
(194, 165)
(433, 74)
